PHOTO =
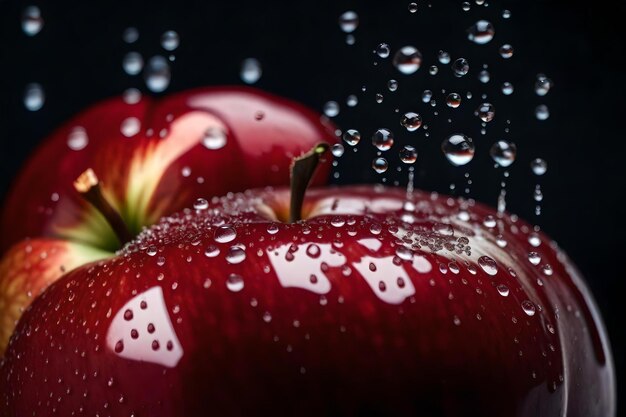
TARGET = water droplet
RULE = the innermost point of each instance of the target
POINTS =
(489, 221)
(481, 32)
(433, 70)
(427, 95)
(506, 51)
(77, 139)
(170, 40)
(529, 308)
(392, 85)
(407, 60)
(379, 98)
(542, 112)
(408, 155)
(251, 71)
(32, 22)
(130, 35)
(507, 88)
(157, 74)
(460, 67)
(466, 6)
(380, 165)
(506, 14)
(411, 121)
(349, 21)
(130, 126)
(225, 234)
(34, 97)
(383, 50)
(313, 251)
(267, 317)
(444, 57)
(235, 255)
(534, 239)
(338, 221)
(352, 137)
(539, 166)
(503, 153)
(383, 139)
(453, 100)
(458, 149)
(201, 204)
(503, 290)
(235, 283)
(119, 346)
(412, 7)
(352, 100)
(547, 270)
(211, 251)
(151, 251)
(132, 63)
(484, 77)
(331, 108)
(350, 39)
(337, 150)
(486, 112)
(488, 265)
(214, 138)
(534, 258)
(542, 85)
(443, 229)
(500, 241)
(132, 96)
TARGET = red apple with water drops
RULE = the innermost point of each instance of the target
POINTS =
(358, 301)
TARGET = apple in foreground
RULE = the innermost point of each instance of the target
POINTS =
(359, 301)
(152, 158)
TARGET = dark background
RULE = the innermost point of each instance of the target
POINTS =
(77, 58)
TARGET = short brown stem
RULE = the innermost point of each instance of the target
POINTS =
(88, 186)
(302, 171)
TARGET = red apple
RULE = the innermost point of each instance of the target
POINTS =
(374, 305)
(152, 158)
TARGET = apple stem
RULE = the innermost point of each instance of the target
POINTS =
(302, 171)
(88, 186)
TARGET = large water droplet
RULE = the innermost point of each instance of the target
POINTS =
(331, 108)
(481, 32)
(77, 139)
(157, 74)
(383, 50)
(349, 21)
(214, 138)
(383, 139)
(235, 255)
(458, 149)
(506, 51)
(408, 154)
(380, 165)
(453, 100)
(407, 60)
(130, 126)
(170, 40)
(32, 22)
(132, 63)
(488, 265)
(542, 112)
(411, 121)
(503, 153)
(542, 85)
(225, 234)
(534, 258)
(486, 112)
(507, 88)
(352, 137)
(250, 71)
(201, 204)
(529, 308)
(460, 67)
(235, 283)
(34, 97)
(503, 290)
(412, 7)
(539, 166)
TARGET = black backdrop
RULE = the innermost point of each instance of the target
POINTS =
(77, 58)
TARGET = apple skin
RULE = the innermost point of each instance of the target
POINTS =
(445, 339)
(142, 172)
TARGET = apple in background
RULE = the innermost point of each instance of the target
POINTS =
(373, 305)
(152, 158)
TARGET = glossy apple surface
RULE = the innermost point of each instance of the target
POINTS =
(155, 157)
(372, 306)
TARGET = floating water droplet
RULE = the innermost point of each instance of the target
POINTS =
(379, 98)
(466, 6)
(380, 165)
(503, 153)
(170, 40)
(331, 108)
(201, 204)
(350, 39)
(506, 14)
(427, 95)
(383, 50)
(488, 265)
(542, 112)
(225, 234)
(157, 74)
(411, 121)
(412, 7)
(151, 251)
(534, 258)
(407, 60)
(349, 21)
(529, 308)
(481, 32)
(503, 290)
(352, 137)
(235, 283)
(538, 195)
(214, 138)
(484, 77)
(272, 229)
(534, 239)
(313, 251)
(547, 270)
(235, 255)
(132, 63)
(539, 166)
(130, 35)
(460, 67)
(433, 70)
(542, 85)
(34, 97)
(500, 241)
(77, 139)
(507, 88)
(453, 100)
(443, 57)
(506, 51)
(130, 126)
(132, 96)
(32, 22)
(337, 150)
(352, 100)
(486, 112)
(489, 221)
(408, 155)
(383, 139)
(211, 251)
(392, 85)
(250, 71)
(458, 149)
